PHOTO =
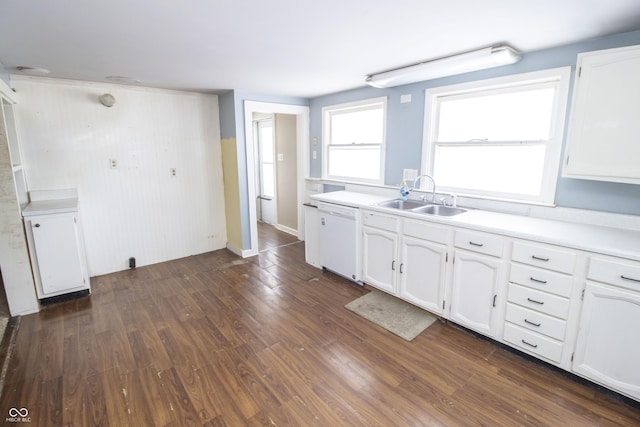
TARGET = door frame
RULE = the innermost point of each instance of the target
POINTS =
(258, 166)
(302, 137)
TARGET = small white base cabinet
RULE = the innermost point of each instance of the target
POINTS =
(608, 346)
(477, 281)
(312, 236)
(56, 247)
(380, 251)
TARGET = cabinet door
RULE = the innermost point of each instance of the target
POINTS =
(58, 252)
(379, 258)
(608, 346)
(604, 128)
(473, 292)
(312, 236)
(422, 273)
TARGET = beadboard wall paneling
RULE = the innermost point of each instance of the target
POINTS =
(137, 209)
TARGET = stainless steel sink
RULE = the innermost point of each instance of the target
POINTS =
(403, 204)
(422, 207)
(439, 210)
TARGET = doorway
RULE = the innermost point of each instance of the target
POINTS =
(265, 167)
(276, 170)
(290, 166)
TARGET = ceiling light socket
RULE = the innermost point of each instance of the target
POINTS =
(32, 71)
(107, 100)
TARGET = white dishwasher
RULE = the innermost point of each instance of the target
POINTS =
(339, 242)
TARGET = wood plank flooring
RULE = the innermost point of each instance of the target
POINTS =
(215, 340)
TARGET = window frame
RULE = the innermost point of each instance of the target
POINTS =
(557, 77)
(326, 135)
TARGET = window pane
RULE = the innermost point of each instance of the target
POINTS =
(514, 116)
(514, 169)
(266, 141)
(268, 186)
(361, 162)
(357, 127)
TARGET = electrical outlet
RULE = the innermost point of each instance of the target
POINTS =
(173, 173)
(113, 164)
(315, 154)
(409, 174)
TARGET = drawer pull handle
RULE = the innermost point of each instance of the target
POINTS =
(393, 265)
(532, 323)
(622, 276)
(494, 299)
(535, 301)
(401, 268)
(529, 344)
(476, 244)
(539, 258)
(533, 279)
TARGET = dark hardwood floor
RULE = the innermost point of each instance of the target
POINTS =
(216, 340)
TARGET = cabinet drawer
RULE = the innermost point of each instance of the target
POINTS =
(383, 222)
(535, 321)
(544, 256)
(480, 242)
(533, 342)
(426, 231)
(544, 280)
(539, 301)
(625, 274)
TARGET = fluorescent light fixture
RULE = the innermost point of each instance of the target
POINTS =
(480, 59)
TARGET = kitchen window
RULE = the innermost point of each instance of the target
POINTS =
(354, 140)
(498, 138)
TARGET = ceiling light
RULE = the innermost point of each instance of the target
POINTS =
(481, 59)
(33, 71)
(124, 80)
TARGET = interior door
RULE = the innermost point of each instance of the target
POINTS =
(266, 171)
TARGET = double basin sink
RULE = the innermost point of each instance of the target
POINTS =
(417, 206)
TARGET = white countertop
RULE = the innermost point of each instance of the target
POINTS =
(350, 198)
(47, 207)
(617, 242)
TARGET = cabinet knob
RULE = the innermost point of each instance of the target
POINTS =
(37, 225)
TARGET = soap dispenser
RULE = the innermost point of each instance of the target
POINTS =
(404, 190)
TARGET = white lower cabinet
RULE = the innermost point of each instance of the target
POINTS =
(406, 258)
(312, 236)
(474, 291)
(57, 254)
(379, 264)
(422, 273)
(542, 303)
(536, 308)
(608, 346)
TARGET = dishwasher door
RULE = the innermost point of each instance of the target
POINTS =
(338, 240)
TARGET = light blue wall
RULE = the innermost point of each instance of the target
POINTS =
(405, 125)
(232, 107)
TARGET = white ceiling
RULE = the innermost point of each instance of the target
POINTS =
(282, 47)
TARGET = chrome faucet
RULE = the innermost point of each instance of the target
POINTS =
(433, 193)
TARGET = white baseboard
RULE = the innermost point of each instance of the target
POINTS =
(244, 253)
(286, 229)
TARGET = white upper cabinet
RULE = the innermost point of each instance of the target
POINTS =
(604, 132)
